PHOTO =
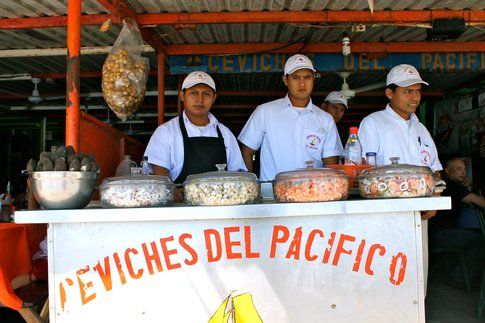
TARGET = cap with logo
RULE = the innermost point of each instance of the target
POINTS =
(337, 97)
(298, 62)
(404, 75)
(198, 77)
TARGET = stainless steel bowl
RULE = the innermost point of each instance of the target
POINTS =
(63, 189)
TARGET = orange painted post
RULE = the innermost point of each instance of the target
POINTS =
(161, 87)
(73, 69)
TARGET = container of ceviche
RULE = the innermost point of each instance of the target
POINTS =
(221, 188)
(396, 180)
(311, 185)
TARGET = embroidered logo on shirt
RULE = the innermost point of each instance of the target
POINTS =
(312, 142)
(426, 157)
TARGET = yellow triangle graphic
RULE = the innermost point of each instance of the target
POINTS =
(244, 309)
(241, 309)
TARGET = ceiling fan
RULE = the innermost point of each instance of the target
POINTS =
(35, 97)
(350, 93)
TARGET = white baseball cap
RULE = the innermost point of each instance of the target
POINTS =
(404, 75)
(336, 97)
(198, 77)
(298, 62)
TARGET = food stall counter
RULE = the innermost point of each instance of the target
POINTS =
(353, 260)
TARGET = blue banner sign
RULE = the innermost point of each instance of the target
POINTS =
(263, 63)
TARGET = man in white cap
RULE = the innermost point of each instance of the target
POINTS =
(194, 142)
(335, 103)
(292, 130)
(396, 130)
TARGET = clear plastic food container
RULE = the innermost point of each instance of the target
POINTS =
(396, 180)
(221, 188)
(311, 185)
(136, 191)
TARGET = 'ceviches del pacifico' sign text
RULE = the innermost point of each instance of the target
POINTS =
(296, 269)
(262, 63)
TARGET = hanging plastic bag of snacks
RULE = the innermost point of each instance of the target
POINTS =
(125, 72)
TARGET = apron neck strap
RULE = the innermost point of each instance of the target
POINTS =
(184, 130)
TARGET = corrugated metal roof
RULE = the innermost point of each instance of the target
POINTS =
(224, 33)
(216, 33)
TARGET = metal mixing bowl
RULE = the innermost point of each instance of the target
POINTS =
(63, 189)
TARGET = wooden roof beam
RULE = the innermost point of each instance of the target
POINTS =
(392, 17)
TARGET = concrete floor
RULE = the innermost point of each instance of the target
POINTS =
(450, 303)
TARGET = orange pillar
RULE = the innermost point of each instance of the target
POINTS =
(73, 71)
(161, 87)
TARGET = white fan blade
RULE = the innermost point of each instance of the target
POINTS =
(370, 87)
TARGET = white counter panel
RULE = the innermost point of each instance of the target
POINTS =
(269, 209)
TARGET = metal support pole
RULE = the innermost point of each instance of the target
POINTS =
(161, 88)
(73, 72)
(43, 133)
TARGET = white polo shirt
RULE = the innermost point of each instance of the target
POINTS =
(166, 146)
(389, 135)
(288, 137)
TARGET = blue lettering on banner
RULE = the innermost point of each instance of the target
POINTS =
(262, 63)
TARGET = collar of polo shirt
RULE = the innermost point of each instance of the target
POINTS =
(212, 120)
(393, 113)
(287, 104)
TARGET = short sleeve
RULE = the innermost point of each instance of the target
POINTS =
(253, 132)
(332, 146)
(368, 136)
(235, 161)
(158, 149)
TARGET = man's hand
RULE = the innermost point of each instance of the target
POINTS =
(467, 183)
(247, 154)
(425, 215)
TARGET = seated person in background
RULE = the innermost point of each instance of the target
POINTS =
(467, 216)
(443, 228)
(458, 185)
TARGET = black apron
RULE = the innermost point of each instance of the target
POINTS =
(201, 154)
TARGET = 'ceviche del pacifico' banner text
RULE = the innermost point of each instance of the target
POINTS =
(359, 268)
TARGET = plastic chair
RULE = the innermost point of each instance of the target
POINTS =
(481, 302)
